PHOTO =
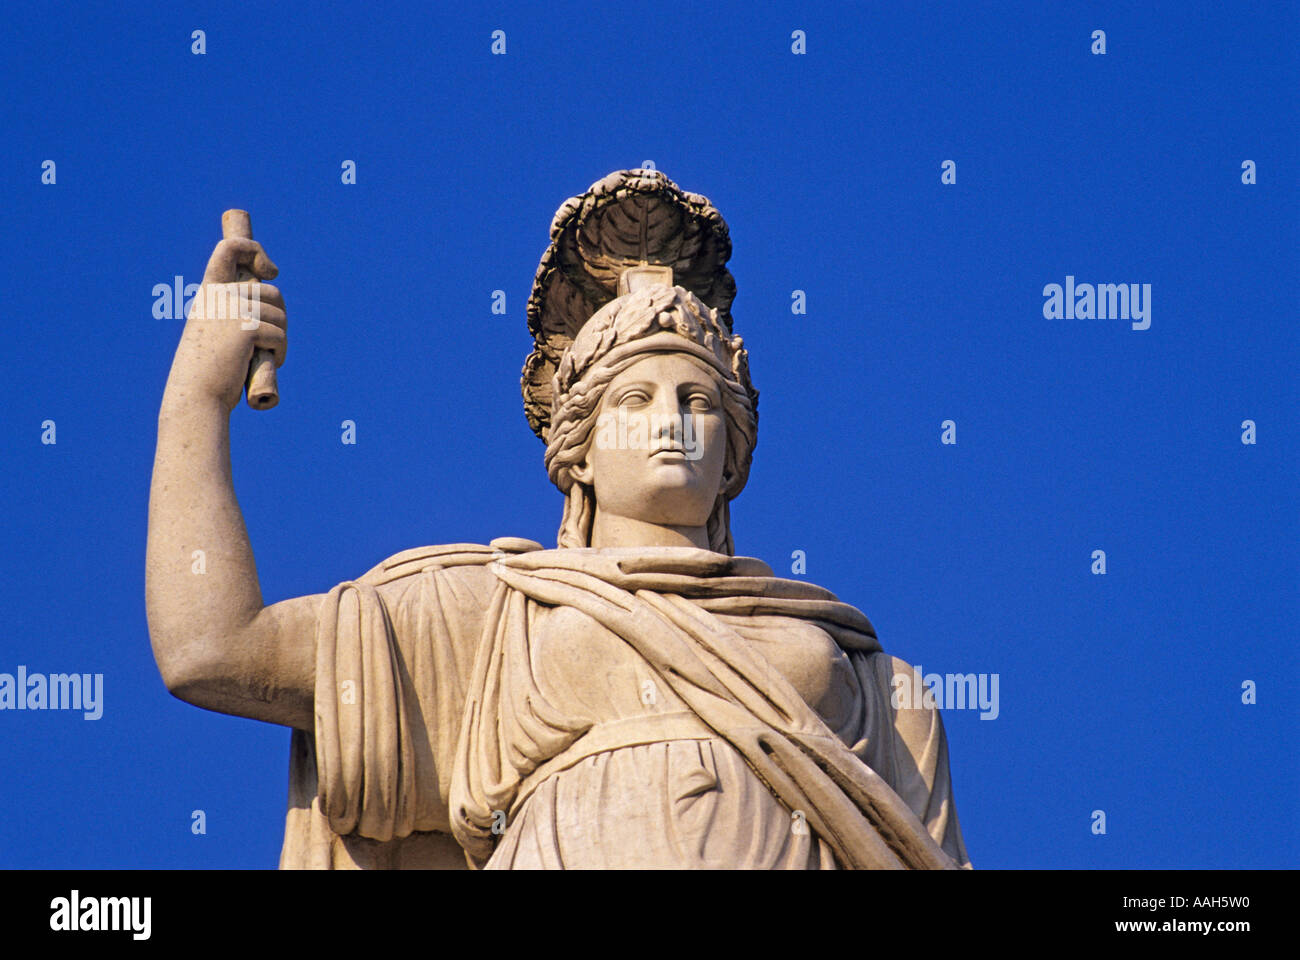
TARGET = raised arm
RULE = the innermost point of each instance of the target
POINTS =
(216, 645)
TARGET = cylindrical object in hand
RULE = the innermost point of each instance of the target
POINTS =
(260, 385)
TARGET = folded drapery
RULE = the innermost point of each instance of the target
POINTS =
(433, 714)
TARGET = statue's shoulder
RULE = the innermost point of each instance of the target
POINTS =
(445, 556)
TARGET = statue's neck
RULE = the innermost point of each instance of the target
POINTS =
(611, 530)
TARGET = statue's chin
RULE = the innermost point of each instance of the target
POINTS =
(670, 475)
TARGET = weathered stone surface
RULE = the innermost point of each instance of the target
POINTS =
(636, 697)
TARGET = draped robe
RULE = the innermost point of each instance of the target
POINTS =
(512, 707)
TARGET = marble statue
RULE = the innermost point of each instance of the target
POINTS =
(638, 697)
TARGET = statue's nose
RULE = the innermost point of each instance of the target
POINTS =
(666, 421)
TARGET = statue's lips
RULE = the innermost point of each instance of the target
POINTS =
(670, 454)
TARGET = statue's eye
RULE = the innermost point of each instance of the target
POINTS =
(701, 401)
(633, 397)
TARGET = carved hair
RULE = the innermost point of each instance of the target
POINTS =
(654, 319)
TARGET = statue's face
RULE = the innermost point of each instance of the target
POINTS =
(660, 443)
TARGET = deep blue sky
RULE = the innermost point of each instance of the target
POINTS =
(1119, 692)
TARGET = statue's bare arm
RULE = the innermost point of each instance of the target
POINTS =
(216, 645)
